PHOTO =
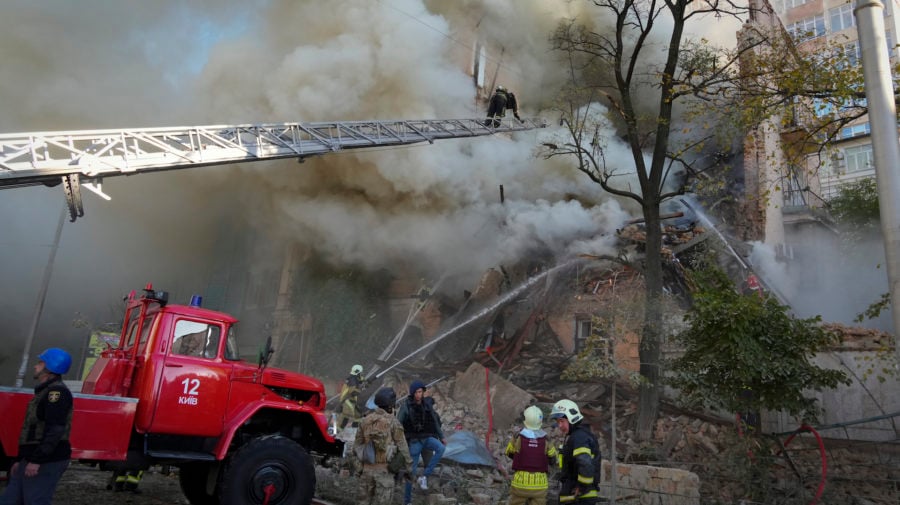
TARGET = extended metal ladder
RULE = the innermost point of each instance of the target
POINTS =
(85, 157)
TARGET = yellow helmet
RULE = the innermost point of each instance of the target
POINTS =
(356, 370)
(566, 408)
(534, 418)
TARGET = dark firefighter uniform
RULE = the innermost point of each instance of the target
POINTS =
(44, 441)
(501, 100)
(580, 465)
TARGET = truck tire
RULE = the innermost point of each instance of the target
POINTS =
(272, 460)
(193, 478)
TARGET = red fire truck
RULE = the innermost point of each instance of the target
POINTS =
(173, 391)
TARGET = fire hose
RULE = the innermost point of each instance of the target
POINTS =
(821, 487)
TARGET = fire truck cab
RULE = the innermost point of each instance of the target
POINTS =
(174, 391)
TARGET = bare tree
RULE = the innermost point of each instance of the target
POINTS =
(614, 63)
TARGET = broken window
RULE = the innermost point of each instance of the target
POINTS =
(478, 65)
(590, 337)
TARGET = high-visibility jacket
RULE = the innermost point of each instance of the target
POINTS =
(531, 455)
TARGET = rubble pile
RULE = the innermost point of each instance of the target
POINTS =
(708, 446)
(858, 338)
(702, 453)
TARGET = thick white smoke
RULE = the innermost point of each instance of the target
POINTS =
(97, 64)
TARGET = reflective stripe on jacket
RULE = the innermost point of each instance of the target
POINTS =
(580, 465)
(531, 456)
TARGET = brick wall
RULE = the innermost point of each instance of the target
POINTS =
(651, 485)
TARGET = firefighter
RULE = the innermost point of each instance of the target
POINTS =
(531, 455)
(380, 446)
(579, 458)
(501, 100)
(44, 449)
(350, 396)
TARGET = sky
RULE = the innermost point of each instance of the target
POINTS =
(427, 210)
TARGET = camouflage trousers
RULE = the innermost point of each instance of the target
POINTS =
(376, 486)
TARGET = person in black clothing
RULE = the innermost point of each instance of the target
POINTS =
(501, 100)
(44, 449)
(422, 428)
(580, 466)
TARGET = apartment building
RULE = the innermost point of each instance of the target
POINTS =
(821, 23)
(786, 194)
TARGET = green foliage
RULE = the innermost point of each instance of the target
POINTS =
(883, 364)
(616, 317)
(613, 319)
(856, 206)
(594, 361)
(874, 310)
(744, 353)
(744, 468)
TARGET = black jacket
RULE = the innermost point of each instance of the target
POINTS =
(48, 420)
(580, 464)
(420, 420)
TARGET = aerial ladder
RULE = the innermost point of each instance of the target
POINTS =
(83, 158)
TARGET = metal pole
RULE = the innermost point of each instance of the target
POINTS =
(613, 494)
(883, 119)
(42, 296)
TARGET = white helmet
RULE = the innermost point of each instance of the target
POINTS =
(534, 418)
(566, 408)
(356, 370)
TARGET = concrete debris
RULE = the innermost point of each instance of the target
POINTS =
(860, 339)
(476, 386)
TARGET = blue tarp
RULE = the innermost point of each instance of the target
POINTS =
(465, 447)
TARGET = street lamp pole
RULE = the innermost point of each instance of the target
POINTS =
(42, 296)
(883, 119)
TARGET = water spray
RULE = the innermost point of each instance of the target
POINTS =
(712, 227)
(482, 313)
(702, 216)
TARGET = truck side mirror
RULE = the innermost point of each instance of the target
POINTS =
(266, 353)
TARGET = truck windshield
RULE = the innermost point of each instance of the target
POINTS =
(132, 331)
(231, 345)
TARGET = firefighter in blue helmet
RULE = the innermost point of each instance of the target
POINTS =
(44, 449)
(579, 458)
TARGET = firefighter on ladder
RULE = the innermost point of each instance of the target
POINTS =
(501, 100)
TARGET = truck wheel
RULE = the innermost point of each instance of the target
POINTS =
(193, 478)
(272, 466)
